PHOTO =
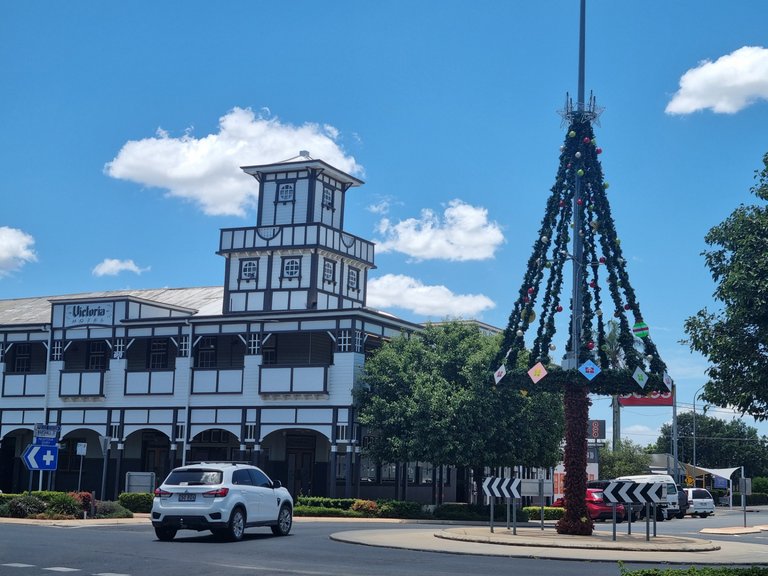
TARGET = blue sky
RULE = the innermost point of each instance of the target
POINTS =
(123, 125)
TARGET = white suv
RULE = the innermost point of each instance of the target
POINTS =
(700, 502)
(224, 498)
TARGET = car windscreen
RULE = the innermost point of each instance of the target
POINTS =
(194, 477)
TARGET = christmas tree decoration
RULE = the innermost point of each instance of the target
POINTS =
(640, 329)
(592, 257)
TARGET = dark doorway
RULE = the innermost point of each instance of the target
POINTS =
(300, 451)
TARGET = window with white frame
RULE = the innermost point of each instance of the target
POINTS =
(328, 198)
(343, 341)
(118, 349)
(285, 192)
(248, 270)
(358, 340)
(55, 351)
(329, 271)
(291, 267)
(183, 350)
(353, 279)
(254, 344)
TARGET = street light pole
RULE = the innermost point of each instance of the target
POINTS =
(695, 475)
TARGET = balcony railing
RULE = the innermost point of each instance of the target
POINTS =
(293, 380)
(296, 236)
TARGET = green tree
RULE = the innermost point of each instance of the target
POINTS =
(625, 459)
(430, 396)
(735, 338)
(719, 443)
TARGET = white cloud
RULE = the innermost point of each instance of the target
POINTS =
(113, 267)
(206, 170)
(463, 233)
(15, 250)
(398, 291)
(727, 85)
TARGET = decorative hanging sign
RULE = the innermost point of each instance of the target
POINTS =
(500, 373)
(640, 377)
(537, 372)
(589, 369)
(667, 379)
(640, 329)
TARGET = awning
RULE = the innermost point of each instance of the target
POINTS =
(699, 471)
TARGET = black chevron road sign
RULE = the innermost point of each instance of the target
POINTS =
(501, 487)
(635, 493)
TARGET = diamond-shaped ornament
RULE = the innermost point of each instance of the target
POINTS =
(589, 369)
(537, 372)
(640, 377)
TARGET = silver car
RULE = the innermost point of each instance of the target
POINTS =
(700, 502)
(224, 498)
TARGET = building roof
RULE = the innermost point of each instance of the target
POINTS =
(205, 301)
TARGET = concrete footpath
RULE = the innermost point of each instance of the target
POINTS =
(530, 541)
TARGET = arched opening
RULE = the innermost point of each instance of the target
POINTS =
(299, 458)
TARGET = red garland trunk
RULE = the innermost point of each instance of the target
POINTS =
(576, 519)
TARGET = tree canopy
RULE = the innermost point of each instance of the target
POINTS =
(430, 396)
(735, 338)
(719, 443)
(625, 458)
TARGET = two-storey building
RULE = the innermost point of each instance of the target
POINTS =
(261, 369)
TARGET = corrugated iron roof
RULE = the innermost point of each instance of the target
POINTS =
(38, 310)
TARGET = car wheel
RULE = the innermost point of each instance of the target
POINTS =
(165, 534)
(284, 522)
(704, 514)
(660, 516)
(236, 526)
(680, 515)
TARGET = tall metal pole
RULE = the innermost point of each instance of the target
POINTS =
(674, 434)
(578, 244)
(582, 54)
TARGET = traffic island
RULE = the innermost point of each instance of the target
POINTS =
(531, 537)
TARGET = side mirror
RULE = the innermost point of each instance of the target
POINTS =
(276, 484)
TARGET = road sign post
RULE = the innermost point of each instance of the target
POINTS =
(508, 488)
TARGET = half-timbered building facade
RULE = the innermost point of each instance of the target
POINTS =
(260, 369)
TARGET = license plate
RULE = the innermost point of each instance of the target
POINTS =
(186, 497)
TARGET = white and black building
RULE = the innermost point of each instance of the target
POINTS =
(261, 369)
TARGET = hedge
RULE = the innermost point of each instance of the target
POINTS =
(692, 571)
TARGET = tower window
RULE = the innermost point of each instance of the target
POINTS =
(285, 193)
(328, 198)
(329, 271)
(353, 279)
(291, 267)
(248, 270)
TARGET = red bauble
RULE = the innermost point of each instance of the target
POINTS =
(627, 307)
(526, 299)
(592, 284)
(586, 140)
(579, 201)
(562, 203)
(530, 290)
(602, 259)
(599, 150)
(559, 308)
(590, 345)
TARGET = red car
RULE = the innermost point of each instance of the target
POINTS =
(598, 509)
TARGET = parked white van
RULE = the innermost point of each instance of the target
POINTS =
(668, 510)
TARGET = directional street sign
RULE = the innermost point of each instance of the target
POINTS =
(627, 492)
(38, 457)
(501, 487)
